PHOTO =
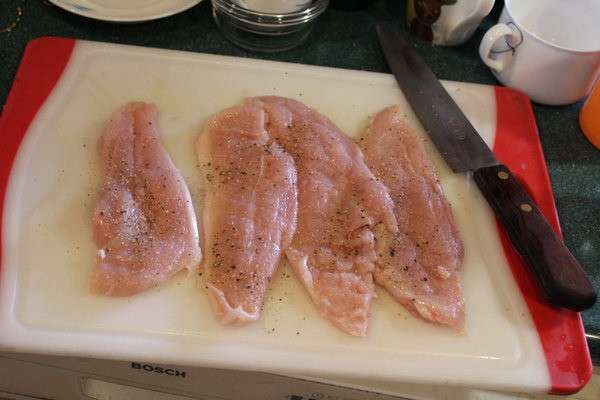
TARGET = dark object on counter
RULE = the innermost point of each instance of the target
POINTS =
(558, 274)
(422, 14)
(350, 5)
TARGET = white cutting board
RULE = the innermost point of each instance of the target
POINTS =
(45, 304)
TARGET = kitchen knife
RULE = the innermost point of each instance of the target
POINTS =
(559, 276)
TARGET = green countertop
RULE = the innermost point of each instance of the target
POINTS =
(347, 40)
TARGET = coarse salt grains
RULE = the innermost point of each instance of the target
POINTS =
(274, 6)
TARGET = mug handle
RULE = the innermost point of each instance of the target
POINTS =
(490, 38)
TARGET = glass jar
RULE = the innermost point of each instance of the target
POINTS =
(266, 32)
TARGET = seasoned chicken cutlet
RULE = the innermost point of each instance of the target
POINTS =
(144, 223)
(250, 209)
(420, 265)
(340, 203)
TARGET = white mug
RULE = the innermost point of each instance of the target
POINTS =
(446, 22)
(549, 49)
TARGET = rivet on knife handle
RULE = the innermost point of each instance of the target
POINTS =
(562, 280)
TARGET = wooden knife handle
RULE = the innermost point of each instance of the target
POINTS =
(560, 277)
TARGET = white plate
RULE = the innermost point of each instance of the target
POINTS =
(125, 10)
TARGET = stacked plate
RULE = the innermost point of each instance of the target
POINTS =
(125, 10)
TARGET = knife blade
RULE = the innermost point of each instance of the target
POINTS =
(561, 279)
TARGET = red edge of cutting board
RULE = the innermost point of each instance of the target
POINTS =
(561, 332)
(517, 144)
(41, 67)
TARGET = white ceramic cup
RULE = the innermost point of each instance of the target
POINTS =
(446, 22)
(549, 49)
(458, 21)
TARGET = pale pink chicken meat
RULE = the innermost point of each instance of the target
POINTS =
(340, 203)
(144, 223)
(249, 213)
(420, 265)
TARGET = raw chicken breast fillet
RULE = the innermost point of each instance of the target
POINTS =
(340, 202)
(249, 213)
(420, 265)
(144, 223)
